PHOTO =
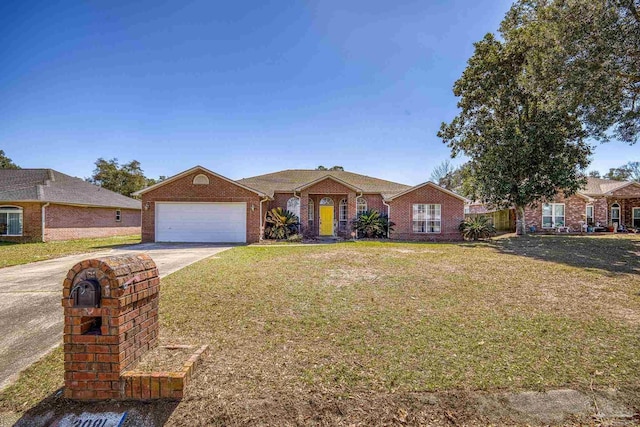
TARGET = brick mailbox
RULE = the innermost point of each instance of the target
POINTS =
(110, 322)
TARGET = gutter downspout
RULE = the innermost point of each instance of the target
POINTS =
(262, 219)
(43, 218)
(388, 218)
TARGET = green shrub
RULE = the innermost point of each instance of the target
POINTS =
(280, 224)
(479, 227)
(372, 224)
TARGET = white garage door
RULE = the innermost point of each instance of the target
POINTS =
(201, 222)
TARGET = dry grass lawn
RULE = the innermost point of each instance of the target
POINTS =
(357, 320)
(23, 253)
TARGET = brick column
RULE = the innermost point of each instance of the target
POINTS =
(351, 208)
(304, 211)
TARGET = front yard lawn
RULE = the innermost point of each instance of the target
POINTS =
(353, 320)
(24, 253)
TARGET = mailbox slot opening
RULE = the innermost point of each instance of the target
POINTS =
(91, 325)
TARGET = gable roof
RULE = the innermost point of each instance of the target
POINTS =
(190, 171)
(600, 187)
(48, 185)
(290, 180)
(424, 184)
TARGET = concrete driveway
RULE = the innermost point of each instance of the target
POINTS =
(31, 319)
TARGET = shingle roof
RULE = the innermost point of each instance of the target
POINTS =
(48, 185)
(287, 181)
(599, 186)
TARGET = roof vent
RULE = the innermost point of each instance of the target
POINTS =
(201, 179)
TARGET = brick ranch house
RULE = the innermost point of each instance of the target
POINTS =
(601, 201)
(43, 205)
(199, 205)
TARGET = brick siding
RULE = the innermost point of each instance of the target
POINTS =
(65, 222)
(575, 209)
(183, 190)
(452, 213)
(31, 222)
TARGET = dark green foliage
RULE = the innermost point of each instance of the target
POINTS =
(478, 227)
(372, 224)
(6, 162)
(280, 224)
(586, 53)
(124, 179)
(522, 144)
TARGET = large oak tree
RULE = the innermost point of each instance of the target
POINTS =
(523, 144)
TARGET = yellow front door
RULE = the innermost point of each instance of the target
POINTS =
(326, 220)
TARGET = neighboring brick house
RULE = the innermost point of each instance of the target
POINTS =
(45, 205)
(199, 205)
(601, 202)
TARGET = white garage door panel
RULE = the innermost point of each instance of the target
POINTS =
(201, 222)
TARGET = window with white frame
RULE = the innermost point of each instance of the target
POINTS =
(343, 214)
(361, 205)
(293, 206)
(427, 218)
(589, 214)
(10, 221)
(552, 215)
(310, 209)
(118, 215)
(636, 217)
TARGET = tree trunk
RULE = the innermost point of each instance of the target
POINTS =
(521, 226)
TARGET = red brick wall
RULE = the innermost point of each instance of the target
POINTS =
(575, 209)
(600, 211)
(31, 222)
(218, 190)
(65, 222)
(452, 213)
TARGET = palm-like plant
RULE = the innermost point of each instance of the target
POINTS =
(372, 223)
(280, 224)
(479, 227)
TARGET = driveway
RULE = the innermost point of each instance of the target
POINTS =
(31, 320)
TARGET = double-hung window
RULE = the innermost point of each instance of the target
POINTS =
(343, 214)
(10, 221)
(589, 214)
(553, 215)
(427, 218)
(361, 205)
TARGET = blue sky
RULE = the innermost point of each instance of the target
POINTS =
(242, 88)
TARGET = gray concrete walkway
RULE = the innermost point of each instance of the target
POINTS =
(31, 319)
